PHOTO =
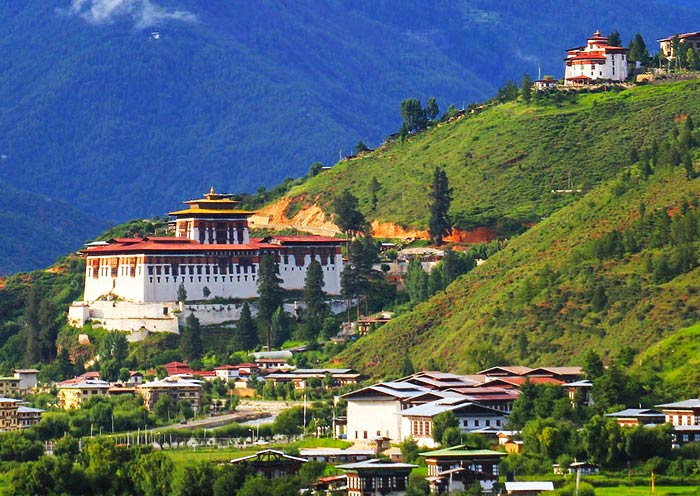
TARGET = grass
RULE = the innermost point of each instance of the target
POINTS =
(223, 455)
(644, 491)
(531, 302)
(503, 162)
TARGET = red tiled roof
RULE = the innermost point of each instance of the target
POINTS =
(683, 36)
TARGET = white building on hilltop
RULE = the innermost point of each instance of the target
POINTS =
(132, 284)
(595, 62)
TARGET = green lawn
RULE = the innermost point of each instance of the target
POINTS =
(646, 490)
(222, 455)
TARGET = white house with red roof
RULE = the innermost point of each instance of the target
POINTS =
(596, 61)
(132, 283)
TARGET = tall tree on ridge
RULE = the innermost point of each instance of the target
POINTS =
(347, 216)
(440, 197)
(526, 89)
(191, 339)
(432, 110)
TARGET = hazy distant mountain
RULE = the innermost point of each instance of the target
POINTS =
(126, 107)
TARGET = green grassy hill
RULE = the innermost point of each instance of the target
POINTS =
(559, 289)
(504, 161)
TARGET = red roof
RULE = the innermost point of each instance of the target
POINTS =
(174, 368)
(683, 36)
(579, 78)
(519, 380)
(161, 244)
(204, 373)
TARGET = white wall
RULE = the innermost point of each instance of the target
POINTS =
(372, 417)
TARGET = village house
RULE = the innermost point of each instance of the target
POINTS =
(9, 386)
(134, 284)
(8, 413)
(374, 410)
(336, 455)
(375, 476)
(72, 393)
(685, 418)
(27, 379)
(271, 464)
(28, 416)
(596, 61)
(417, 421)
(687, 40)
(458, 468)
(302, 378)
(546, 84)
(632, 417)
(177, 388)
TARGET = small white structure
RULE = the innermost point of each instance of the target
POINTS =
(529, 488)
(594, 62)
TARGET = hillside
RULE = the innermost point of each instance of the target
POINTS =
(36, 230)
(502, 162)
(603, 273)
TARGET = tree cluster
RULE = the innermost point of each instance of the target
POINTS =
(415, 117)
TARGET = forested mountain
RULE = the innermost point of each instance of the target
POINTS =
(124, 108)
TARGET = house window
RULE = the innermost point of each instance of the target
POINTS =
(488, 423)
(476, 423)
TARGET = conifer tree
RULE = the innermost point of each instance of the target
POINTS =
(432, 110)
(614, 39)
(407, 368)
(440, 197)
(191, 345)
(526, 89)
(280, 325)
(348, 218)
(416, 281)
(270, 292)
(246, 331)
(181, 293)
(314, 299)
(374, 187)
(638, 50)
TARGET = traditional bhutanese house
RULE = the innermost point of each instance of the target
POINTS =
(581, 388)
(374, 410)
(505, 371)
(333, 484)
(528, 488)
(8, 413)
(497, 398)
(564, 374)
(417, 422)
(377, 477)
(336, 455)
(135, 377)
(272, 464)
(458, 468)
(585, 468)
(595, 61)
(177, 368)
(546, 84)
(685, 412)
(514, 446)
(226, 372)
(9, 386)
(301, 377)
(517, 382)
(269, 364)
(28, 416)
(440, 380)
(71, 394)
(177, 388)
(27, 379)
(632, 417)
(688, 40)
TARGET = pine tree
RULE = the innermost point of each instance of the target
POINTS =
(440, 197)
(638, 50)
(526, 89)
(181, 293)
(374, 187)
(416, 281)
(270, 292)
(314, 299)
(432, 110)
(407, 368)
(347, 216)
(191, 345)
(614, 39)
(32, 353)
(246, 331)
(280, 325)
(361, 147)
(413, 115)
